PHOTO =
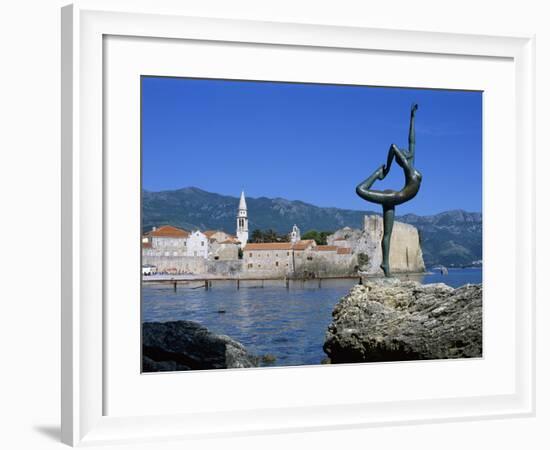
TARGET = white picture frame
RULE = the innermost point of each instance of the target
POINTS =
(84, 347)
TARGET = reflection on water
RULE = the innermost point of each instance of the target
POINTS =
(289, 324)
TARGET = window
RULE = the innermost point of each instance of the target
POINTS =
(277, 264)
(309, 258)
(202, 244)
(250, 266)
(250, 254)
(259, 265)
(287, 253)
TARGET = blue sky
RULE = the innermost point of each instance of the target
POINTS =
(309, 142)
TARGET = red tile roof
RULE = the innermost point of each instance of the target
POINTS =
(168, 231)
(300, 245)
(344, 251)
(210, 233)
(326, 248)
(304, 244)
(269, 246)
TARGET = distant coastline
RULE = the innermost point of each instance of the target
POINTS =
(450, 238)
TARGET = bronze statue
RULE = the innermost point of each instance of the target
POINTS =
(388, 198)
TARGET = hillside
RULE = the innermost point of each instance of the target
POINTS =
(449, 238)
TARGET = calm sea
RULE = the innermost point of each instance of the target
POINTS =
(270, 320)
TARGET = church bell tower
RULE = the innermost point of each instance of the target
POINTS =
(242, 222)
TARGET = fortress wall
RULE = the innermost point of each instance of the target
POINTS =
(405, 250)
(326, 264)
(194, 264)
(181, 264)
(224, 267)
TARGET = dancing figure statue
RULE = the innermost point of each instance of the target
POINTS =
(388, 198)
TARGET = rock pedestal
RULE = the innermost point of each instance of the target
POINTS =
(391, 320)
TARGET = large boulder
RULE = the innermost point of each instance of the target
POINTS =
(186, 345)
(391, 320)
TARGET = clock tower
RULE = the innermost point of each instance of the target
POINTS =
(242, 221)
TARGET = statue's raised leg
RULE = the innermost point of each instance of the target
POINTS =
(363, 189)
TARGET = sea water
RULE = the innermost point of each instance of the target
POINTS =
(266, 317)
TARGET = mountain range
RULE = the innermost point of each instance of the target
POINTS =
(450, 238)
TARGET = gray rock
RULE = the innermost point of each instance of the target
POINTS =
(186, 345)
(150, 365)
(391, 320)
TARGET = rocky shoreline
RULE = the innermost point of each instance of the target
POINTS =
(392, 320)
(186, 345)
(378, 320)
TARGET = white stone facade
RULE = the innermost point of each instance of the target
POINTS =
(169, 246)
(197, 244)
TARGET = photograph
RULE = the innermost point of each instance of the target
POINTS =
(305, 224)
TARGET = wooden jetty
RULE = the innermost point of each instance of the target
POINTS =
(206, 283)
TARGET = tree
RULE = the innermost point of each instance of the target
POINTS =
(320, 237)
(256, 236)
(270, 235)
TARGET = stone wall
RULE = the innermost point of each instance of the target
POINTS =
(179, 264)
(405, 250)
(224, 252)
(194, 264)
(325, 264)
(224, 268)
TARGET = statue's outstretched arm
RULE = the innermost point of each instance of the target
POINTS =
(412, 136)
